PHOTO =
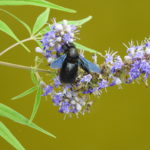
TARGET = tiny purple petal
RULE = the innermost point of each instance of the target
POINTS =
(65, 107)
(57, 98)
(103, 84)
(48, 89)
(108, 58)
(57, 81)
(86, 78)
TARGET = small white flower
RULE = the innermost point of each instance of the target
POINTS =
(38, 50)
(68, 28)
(118, 81)
(73, 102)
(65, 22)
(62, 32)
(59, 39)
(71, 40)
(147, 51)
(59, 27)
(127, 58)
(51, 44)
(72, 35)
(50, 60)
(78, 107)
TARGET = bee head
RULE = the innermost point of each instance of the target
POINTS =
(73, 53)
(70, 50)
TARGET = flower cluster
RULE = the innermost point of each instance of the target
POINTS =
(53, 40)
(75, 98)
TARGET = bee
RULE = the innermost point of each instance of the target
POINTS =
(69, 63)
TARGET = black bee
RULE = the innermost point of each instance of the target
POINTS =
(69, 62)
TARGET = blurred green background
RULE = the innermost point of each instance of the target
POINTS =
(119, 119)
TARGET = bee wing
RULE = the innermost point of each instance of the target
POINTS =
(88, 66)
(57, 64)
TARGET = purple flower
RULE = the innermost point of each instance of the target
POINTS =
(139, 54)
(108, 58)
(48, 53)
(48, 40)
(67, 38)
(116, 81)
(102, 84)
(147, 44)
(74, 110)
(131, 51)
(145, 68)
(117, 65)
(57, 98)
(58, 35)
(65, 107)
(89, 91)
(135, 70)
(48, 89)
(86, 78)
(57, 81)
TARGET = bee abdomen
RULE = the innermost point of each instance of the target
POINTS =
(68, 72)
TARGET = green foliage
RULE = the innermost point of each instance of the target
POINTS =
(9, 137)
(38, 93)
(25, 93)
(5, 28)
(37, 102)
(31, 90)
(84, 48)
(19, 20)
(41, 3)
(11, 114)
(41, 21)
(33, 76)
(80, 22)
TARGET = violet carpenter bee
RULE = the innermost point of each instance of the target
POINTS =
(69, 63)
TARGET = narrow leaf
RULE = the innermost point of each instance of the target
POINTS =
(74, 22)
(9, 113)
(9, 137)
(37, 102)
(40, 3)
(84, 48)
(4, 27)
(80, 22)
(33, 77)
(41, 20)
(19, 20)
(25, 93)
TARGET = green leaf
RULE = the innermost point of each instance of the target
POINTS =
(9, 137)
(9, 113)
(33, 77)
(41, 21)
(19, 20)
(40, 3)
(74, 22)
(80, 22)
(27, 92)
(4, 27)
(37, 102)
(84, 48)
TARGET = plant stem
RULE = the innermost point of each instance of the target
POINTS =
(14, 45)
(23, 67)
